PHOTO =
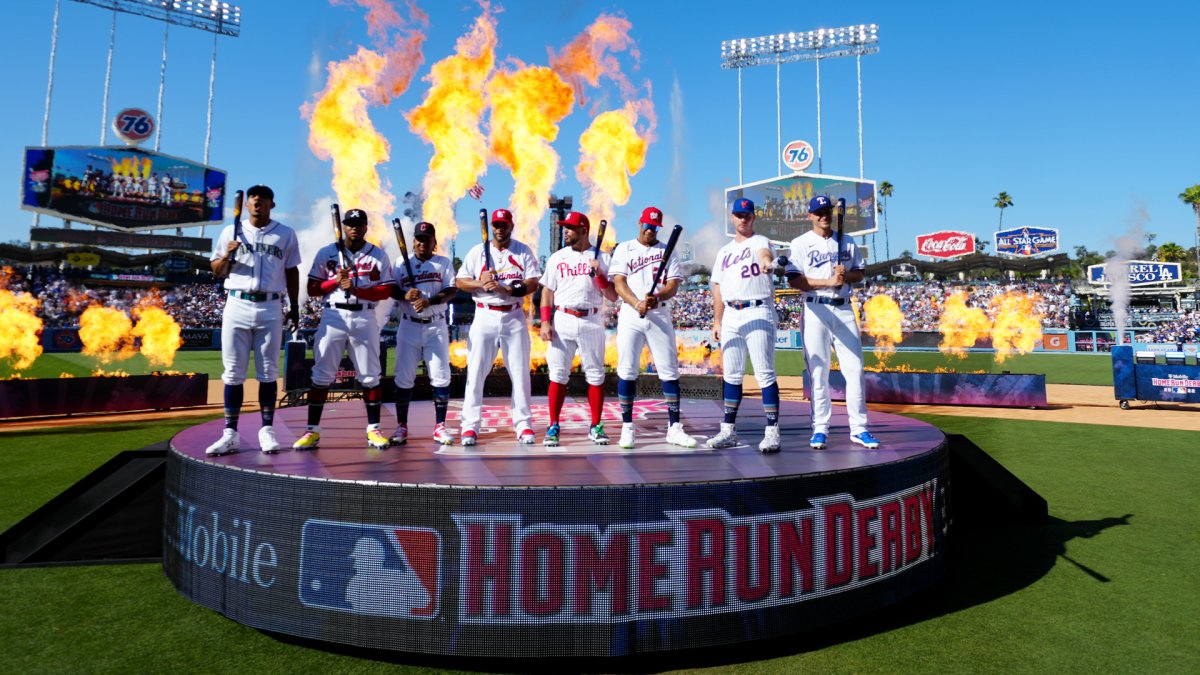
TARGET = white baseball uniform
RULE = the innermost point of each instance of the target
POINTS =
(346, 320)
(828, 316)
(638, 264)
(253, 316)
(500, 321)
(423, 336)
(578, 315)
(749, 324)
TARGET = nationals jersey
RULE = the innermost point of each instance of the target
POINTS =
(567, 275)
(432, 276)
(371, 266)
(515, 263)
(265, 253)
(740, 273)
(813, 256)
(639, 263)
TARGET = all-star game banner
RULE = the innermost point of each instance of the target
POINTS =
(592, 571)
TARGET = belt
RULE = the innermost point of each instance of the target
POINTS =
(586, 311)
(255, 296)
(498, 308)
(743, 304)
(351, 306)
(822, 300)
(431, 319)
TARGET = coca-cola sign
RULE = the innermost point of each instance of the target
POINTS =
(945, 244)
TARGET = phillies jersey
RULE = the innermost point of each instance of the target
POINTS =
(515, 263)
(639, 263)
(567, 275)
(432, 276)
(265, 253)
(371, 266)
(740, 273)
(813, 256)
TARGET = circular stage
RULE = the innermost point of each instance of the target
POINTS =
(579, 550)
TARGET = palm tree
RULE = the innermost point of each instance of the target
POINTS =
(885, 192)
(1003, 201)
(1172, 252)
(1191, 197)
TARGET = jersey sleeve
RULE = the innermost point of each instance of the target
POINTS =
(547, 280)
(532, 269)
(468, 268)
(386, 273)
(317, 269)
(715, 278)
(856, 259)
(218, 251)
(674, 270)
(605, 263)
(448, 274)
(618, 264)
(292, 255)
(795, 252)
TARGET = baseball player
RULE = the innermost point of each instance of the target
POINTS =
(646, 318)
(574, 287)
(745, 323)
(814, 267)
(261, 260)
(500, 321)
(423, 334)
(352, 281)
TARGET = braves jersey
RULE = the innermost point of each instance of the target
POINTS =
(813, 256)
(515, 263)
(740, 273)
(432, 276)
(567, 275)
(265, 253)
(371, 265)
(639, 263)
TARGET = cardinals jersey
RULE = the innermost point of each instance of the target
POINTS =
(740, 273)
(432, 276)
(371, 265)
(567, 275)
(515, 263)
(813, 256)
(639, 263)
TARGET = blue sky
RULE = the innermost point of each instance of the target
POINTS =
(1085, 114)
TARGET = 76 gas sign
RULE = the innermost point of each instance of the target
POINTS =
(133, 125)
(798, 155)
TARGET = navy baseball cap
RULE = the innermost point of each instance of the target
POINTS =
(261, 191)
(424, 229)
(819, 202)
(354, 216)
(742, 205)
(575, 219)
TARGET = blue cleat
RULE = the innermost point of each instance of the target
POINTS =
(866, 440)
(551, 438)
(817, 441)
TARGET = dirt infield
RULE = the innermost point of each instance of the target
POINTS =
(1068, 403)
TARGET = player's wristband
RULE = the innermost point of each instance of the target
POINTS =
(518, 289)
(601, 281)
(329, 285)
(547, 311)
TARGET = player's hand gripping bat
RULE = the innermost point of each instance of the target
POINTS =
(412, 279)
(343, 256)
(599, 240)
(841, 221)
(662, 266)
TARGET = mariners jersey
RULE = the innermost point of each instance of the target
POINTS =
(567, 275)
(371, 266)
(639, 263)
(265, 253)
(432, 276)
(740, 273)
(515, 263)
(812, 256)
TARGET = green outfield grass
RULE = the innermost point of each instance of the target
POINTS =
(1108, 585)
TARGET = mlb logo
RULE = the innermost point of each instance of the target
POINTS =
(375, 570)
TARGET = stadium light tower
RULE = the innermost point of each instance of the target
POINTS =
(814, 45)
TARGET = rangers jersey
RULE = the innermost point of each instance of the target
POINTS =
(813, 256)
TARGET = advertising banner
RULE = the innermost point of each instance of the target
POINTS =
(1140, 273)
(124, 188)
(781, 204)
(1027, 242)
(945, 244)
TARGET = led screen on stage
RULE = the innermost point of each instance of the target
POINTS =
(781, 204)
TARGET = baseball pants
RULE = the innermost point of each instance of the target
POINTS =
(571, 334)
(749, 332)
(634, 332)
(509, 332)
(428, 342)
(823, 324)
(251, 328)
(342, 328)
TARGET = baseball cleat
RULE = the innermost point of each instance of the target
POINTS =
(442, 435)
(727, 438)
(228, 443)
(770, 442)
(469, 437)
(267, 440)
(866, 440)
(401, 435)
(551, 439)
(308, 441)
(817, 441)
(627, 436)
(677, 436)
(596, 434)
(526, 437)
(377, 440)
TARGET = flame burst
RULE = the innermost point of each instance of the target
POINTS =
(611, 150)
(590, 55)
(106, 334)
(20, 326)
(449, 119)
(526, 107)
(1017, 323)
(961, 326)
(158, 331)
(884, 322)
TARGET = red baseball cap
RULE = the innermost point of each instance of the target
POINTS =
(651, 215)
(575, 219)
(502, 216)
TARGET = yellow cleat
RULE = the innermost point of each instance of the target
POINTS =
(376, 439)
(308, 441)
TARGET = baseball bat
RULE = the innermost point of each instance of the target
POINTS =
(487, 244)
(599, 239)
(841, 222)
(237, 214)
(662, 266)
(412, 278)
(336, 212)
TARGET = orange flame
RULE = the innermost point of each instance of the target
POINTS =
(961, 326)
(106, 334)
(611, 150)
(157, 329)
(526, 107)
(20, 326)
(884, 322)
(449, 119)
(1017, 323)
(590, 55)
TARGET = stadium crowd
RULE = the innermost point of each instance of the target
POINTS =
(1185, 329)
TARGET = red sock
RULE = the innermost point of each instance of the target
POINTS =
(596, 400)
(557, 393)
